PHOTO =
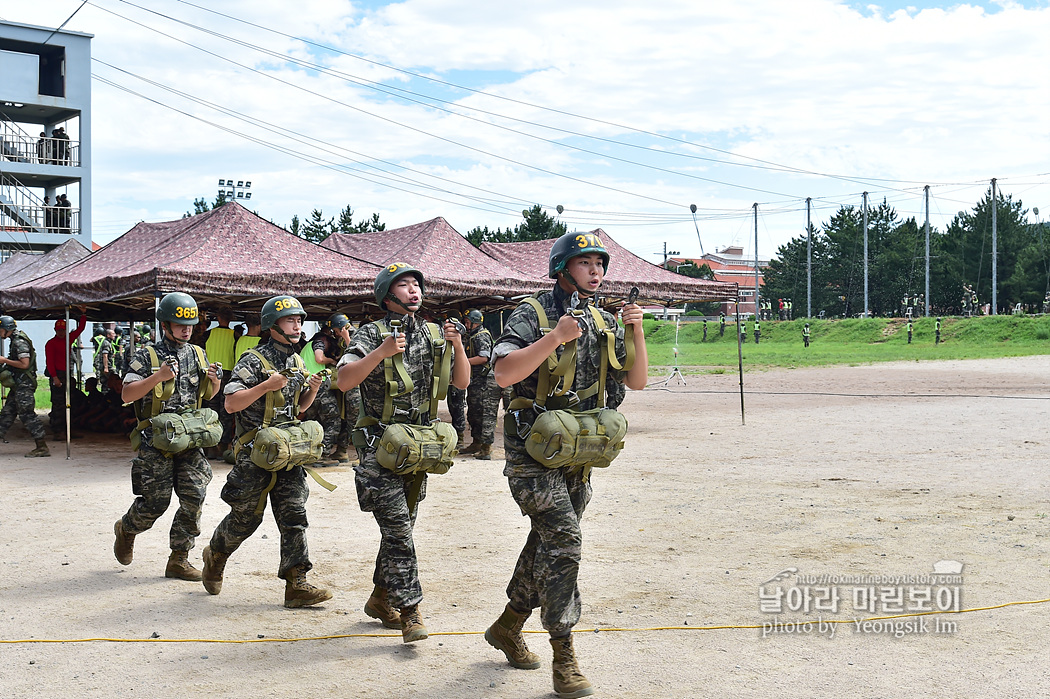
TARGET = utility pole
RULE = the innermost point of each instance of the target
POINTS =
(809, 262)
(995, 251)
(926, 189)
(865, 313)
(756, 260)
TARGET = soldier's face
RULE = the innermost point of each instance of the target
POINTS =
(407, 292)
(588, 271)
(180, 333)
(292, 326)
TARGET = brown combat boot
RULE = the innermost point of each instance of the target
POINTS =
(568, 682)
(341, 455)
(124, 544)
(505, 635)
(180, 567)
(460, 437)
(484, 452)
(41, 450)
(299, 593)
(474, 446)
(412, 628)
(378, 607)
(214, 564)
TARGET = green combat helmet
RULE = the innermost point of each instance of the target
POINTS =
(386, 278)
(279, 307)
(475, 316)
(178, 307)
(8, 323)
(337, 321)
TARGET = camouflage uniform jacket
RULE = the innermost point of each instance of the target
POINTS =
(521, 330)
(479, 345)
(249, 372)
(21, 347)
(187, 383)
(327, 344)
(104, 347)
(418, 360)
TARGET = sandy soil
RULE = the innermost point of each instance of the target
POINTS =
(876, 470)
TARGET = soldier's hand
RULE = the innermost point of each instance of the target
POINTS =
(213, 371)
(315, 381)
(276, 382)
(452, 334)
(392, 345)
(567, 329)
(167, 372)
(632, 314)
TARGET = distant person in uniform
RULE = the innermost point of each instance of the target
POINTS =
(909, 331)
(937, 332)
(705, 330)
(805, 335)
(721, 324)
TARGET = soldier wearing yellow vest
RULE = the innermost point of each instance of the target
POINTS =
(220, 346)
(248, 340)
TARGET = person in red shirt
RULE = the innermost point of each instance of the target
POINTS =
(57, 371)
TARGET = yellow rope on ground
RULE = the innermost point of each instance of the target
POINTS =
(477, 633)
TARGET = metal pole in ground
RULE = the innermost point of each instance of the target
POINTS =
(740, 360)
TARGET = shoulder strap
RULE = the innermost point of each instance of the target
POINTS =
(202, 369)
(274, 399)
(563, 370)
(442, 370)
(390, 366)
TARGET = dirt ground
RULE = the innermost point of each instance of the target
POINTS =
(870, 470)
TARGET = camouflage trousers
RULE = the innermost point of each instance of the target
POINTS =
(483, 408)
(457, 403)
(244, 488)
(21, 403)
(385, 495)
(154, 477)
(549, 564)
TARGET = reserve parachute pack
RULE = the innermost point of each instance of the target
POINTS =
(404, 446)
(287, 444)
(7, 378)
(561, 437)
(186, 429)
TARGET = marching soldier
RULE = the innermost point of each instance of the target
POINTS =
(483, 394)
(328, 346)
(417, 353)
(20, 370)
(257, 373)
(184, 377)
(555, 498)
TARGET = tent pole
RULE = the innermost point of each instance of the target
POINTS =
(67, 373)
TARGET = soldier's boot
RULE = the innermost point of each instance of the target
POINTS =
(299, 593)
(484, 452)
(569, 683)
(180, 567)
(459, 435)
(473, 448)
(341, 455)
(378, 607)
(412, 628)
(214, 565)
(505, 635)
(123, 544)
(41, 449)
(3, 438)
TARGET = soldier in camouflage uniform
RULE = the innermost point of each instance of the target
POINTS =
(483, 394)
(328, 346)
(155, 474)
(246, 484)
(21, 400)
(398, 290)
(104, 362)
(554, 499)
(456, 399)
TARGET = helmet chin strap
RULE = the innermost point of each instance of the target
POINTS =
(283, 334)
(171, 336)
(411, 309)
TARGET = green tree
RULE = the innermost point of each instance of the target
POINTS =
(538, 225)
(315, 228)
(201, 206)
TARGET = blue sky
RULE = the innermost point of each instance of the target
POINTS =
(623, 113)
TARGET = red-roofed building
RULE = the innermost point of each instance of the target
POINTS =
(730, 265)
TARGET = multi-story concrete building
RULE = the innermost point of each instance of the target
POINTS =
(45, 138)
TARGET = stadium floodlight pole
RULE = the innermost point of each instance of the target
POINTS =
(756, 260)
(809, 262)
(995, 250)
(927, 298)
(865, 313)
